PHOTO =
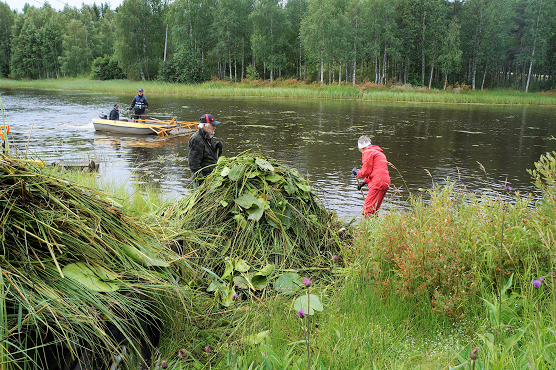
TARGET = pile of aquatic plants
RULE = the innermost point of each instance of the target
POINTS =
(78, 279)
(254, 209)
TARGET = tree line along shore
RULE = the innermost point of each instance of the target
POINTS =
(427, 43)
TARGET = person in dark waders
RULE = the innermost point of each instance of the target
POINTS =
(374, 173)
(203, 150)
(139, 104)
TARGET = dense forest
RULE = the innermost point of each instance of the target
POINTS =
(430, 43)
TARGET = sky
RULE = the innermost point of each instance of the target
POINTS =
(58, 4)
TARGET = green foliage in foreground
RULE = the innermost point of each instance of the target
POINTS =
(292, 89)
(421, 289)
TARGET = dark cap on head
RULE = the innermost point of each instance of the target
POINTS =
(116, 105)
(207, 118)
(141, 90)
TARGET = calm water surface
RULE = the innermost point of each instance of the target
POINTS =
(426, 143)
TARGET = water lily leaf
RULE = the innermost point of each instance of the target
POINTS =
(225, 171)
(259, 282)
(290, 188)
(264, 164)
(242, 266)
(245, 201)
(241, 282)
(255, 213)
(143, 256)
(253, 174)
(288, 283)
(236, 172)
(273, 177)
(241, 221)
(303, 186)
(91, 277)
(308, 305)
(267, 270)
(254, 339)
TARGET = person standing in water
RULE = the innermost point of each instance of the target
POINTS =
(374, 173)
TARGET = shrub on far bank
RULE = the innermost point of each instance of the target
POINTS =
(106, 68)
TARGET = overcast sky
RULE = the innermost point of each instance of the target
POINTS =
(58, 4)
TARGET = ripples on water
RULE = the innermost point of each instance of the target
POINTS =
(318, 137)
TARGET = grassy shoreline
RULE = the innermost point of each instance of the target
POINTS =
(295, 89)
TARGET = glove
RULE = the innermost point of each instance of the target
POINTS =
(354, 171)
(361, 184)
(219, 146)
(129, 108)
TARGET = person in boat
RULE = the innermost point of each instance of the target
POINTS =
(114, 113)
(203, 150)
(374, 173)
(139, 103)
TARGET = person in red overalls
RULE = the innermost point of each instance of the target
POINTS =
(374, 173)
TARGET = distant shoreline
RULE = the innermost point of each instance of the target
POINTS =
(295, 89)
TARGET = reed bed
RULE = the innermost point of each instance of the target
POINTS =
(251, 207)
(79, 279)
(296, 89)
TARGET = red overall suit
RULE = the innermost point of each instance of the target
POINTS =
(376, 176)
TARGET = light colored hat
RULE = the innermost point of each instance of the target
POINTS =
(363, 142)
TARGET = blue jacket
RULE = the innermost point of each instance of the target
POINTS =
(139, 103)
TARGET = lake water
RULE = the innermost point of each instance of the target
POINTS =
(425, 143)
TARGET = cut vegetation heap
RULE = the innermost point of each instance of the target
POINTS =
(254, 209)
(78, 279)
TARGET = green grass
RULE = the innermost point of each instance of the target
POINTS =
(294, 89)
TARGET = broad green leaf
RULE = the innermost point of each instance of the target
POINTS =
(229, 270)
(308, 305)
(256, 338)
(241, 221)
(241, 282)
(236, 172)
(212, 287)
(242, 266)
(223, 203)
(273, 177)
(267, 270)
(253, 174)
(93, 278)
(272, 220)
(246, 201)
(290, 188)
(303, 186)
(143, 256)
(288, 283)
(264, 164)
(259, 282)
(255, 212)
(225, 172)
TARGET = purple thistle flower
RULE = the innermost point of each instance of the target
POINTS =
(537, 283)
(301, 313)
(207, 349)
(234, 296)
(508, 188)
(317, 325)
(334, 258)
(541, 279)
(164, 364)
(307, 282)
(227, 334)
